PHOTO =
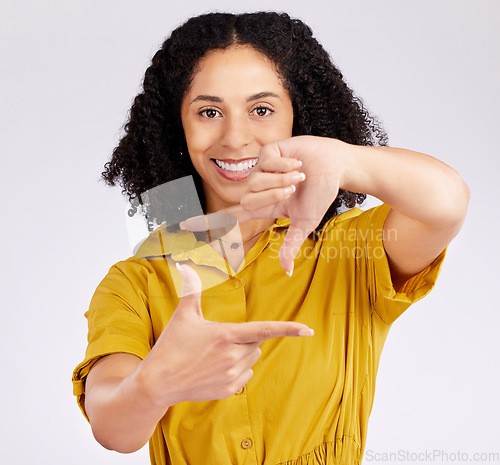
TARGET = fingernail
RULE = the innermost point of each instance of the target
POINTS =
(289, 190)
(182, 225)
(299, 177)
(179, 268)
(306, 332)
(298, 163)
(290, 272)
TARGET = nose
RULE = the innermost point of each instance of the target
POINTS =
(236, 132)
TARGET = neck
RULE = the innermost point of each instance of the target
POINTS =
(253, 227)
(247, 230)
(240, 240)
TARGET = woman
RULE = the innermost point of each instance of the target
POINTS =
(251, 106)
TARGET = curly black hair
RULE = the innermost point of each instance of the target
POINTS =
(149, 153)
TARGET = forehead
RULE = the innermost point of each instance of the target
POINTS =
(238, 68)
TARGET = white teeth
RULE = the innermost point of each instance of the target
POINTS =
(237, 168)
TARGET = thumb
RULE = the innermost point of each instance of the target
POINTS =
(191, 290)
(290, 247)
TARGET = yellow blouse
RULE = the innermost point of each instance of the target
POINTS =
(310, 398)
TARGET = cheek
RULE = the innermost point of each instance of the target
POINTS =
(288, 127)
(279, 131)
(288, 124)
(198, 139)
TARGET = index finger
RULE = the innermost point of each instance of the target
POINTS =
(218, 224)
(259, 331)
(272, 159)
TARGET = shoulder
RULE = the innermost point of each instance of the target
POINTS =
(356, 223)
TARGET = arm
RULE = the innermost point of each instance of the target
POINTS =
(428, 201)
(122, 415)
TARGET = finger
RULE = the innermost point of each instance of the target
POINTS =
(244, 368)
(249, 352)
(271, 159)
(246, 355)
(246, 215)
(217, 224)
(191, 290)
(239, 213)
(257, 200)
(290, 247)
(242, 381)
(253, 356)
(258, 331)
(264, 181)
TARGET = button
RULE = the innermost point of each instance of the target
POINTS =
(240, 391)
(246, 443)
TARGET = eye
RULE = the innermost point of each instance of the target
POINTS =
(209, 113)
(262, 111)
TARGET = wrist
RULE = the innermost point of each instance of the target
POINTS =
(144, 386)
(349, 163)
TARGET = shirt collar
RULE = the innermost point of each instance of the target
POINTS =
(183, 246)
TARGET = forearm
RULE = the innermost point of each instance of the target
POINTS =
(416, 185)
(121, 411)
(428, 201)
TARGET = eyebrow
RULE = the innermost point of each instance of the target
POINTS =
(214, 99)
(262, 95)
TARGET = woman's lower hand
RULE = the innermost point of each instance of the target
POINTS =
(196, 360)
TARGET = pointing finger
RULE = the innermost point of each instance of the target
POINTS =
(217, 224)
(258, 331)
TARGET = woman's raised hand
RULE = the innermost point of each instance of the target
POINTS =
(196, 360)
(297, 178)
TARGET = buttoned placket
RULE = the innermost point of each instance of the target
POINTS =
(238, 433)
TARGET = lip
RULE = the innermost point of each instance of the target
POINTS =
(235, 161)
(230, 175)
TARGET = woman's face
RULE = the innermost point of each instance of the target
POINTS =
(235, 105)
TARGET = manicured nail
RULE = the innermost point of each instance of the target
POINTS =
(290, 272)
(298, 177)
(289, 190)
(179, 268)
(298, 163)
(182, 225)
(306, 332)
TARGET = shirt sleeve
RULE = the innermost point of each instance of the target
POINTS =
(364, 232)
(118, 322)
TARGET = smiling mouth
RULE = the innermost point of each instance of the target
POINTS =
(234, 166)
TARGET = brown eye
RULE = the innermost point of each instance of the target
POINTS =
(262, 111)
(209, 113)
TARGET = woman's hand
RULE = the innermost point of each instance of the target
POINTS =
(297, 178)
(428, 199)
(196, 360)
(192, 360)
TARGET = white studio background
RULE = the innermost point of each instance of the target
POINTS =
(429, 69)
